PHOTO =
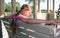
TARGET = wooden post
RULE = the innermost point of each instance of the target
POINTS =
(39, 6)
(47, 6)
(13, 6)
(34, 10)
(50, 15)
(53, 9)
(47, 10)
(1, 7)
(53, 6)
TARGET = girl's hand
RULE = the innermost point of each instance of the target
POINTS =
(2, 16)
(54, 22)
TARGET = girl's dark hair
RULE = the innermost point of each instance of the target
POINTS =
(23, 6)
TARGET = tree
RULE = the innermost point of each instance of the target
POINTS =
(8, 7)
(31, 1)
(42, 0)
(17, 6)
(43, 11)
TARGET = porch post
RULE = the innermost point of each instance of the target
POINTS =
(39, 6)
(1, 7)
(47, 10)
(13, 6)
(49, 14)
(34, 10)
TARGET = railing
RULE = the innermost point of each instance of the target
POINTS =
(25, 30)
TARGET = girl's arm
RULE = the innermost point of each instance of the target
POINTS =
(36, 21)
(6, 16)
(9, 16)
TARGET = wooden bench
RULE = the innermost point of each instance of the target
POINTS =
(25, 30)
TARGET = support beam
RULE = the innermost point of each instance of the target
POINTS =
(1, 7)
(13, 2)
(39, 6)
(53, 6)
(47, 18)
(34, 10)
(50, 15)
(47, 6)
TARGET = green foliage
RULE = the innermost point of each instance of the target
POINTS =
(30, 1)
(8, 7)
(42, 0)
(17, 6)
(43, 11)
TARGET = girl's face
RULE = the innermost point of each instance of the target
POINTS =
(26, 13)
